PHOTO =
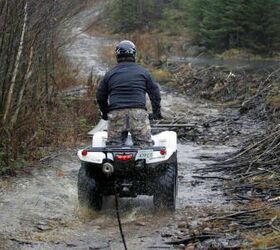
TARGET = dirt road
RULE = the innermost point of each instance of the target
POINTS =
(39, 210)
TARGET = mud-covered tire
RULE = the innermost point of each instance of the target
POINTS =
(88, 195)
(166, 188)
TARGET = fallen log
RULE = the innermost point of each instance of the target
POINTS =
(194, 238)
(233, 215)
(176, 125)
(211, 177)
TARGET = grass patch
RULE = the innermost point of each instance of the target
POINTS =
(274, 101)
(238, 54)
(161, 75)
(260, 241)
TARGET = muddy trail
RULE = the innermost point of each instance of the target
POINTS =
(39, 210)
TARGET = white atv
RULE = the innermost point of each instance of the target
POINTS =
(128, 170)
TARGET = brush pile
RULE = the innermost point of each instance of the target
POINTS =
(256, 168)
(254, 171)
(257, 92)
(253, 184)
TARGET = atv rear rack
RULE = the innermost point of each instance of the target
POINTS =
(122, 149)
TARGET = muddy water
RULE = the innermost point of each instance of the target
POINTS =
(40, 210)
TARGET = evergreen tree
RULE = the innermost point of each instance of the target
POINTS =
(225, 24)
(217, 24)
(221, 25)
(195, 17)
(130, 15)
(262, 25)
(124, 15)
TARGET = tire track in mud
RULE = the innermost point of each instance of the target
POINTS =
(40, 210)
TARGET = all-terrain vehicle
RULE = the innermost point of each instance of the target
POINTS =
(129, 171)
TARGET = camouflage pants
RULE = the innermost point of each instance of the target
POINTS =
(135, 121)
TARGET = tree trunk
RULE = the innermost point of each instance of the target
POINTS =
(17, 61)
(5, 6)
(27, 75)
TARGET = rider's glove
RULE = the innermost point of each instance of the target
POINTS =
(158, 116)
(155, 116)
(105, 116)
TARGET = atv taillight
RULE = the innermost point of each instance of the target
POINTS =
(124, 157)
(84, 152)
(163, 151)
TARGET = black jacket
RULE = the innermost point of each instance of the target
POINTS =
(125, 86)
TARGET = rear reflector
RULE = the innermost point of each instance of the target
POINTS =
(163, 151)
(84, 152)
(124, 157)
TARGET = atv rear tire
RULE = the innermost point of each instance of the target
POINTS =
(88, 195)
(166, 188)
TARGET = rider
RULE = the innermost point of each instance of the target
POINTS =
(122, 99)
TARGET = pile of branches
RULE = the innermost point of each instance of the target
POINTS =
(254, 187)
(185, 129)
(253, 184)
(255, 168)
(207, 129)
(257, 92)
(254, 171)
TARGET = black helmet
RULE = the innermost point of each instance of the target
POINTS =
(125, 51)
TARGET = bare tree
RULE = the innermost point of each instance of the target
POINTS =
(16, 66)
(28, 55)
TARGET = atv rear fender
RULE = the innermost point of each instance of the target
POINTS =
(165, 140)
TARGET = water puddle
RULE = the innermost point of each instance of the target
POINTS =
(194, 191)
